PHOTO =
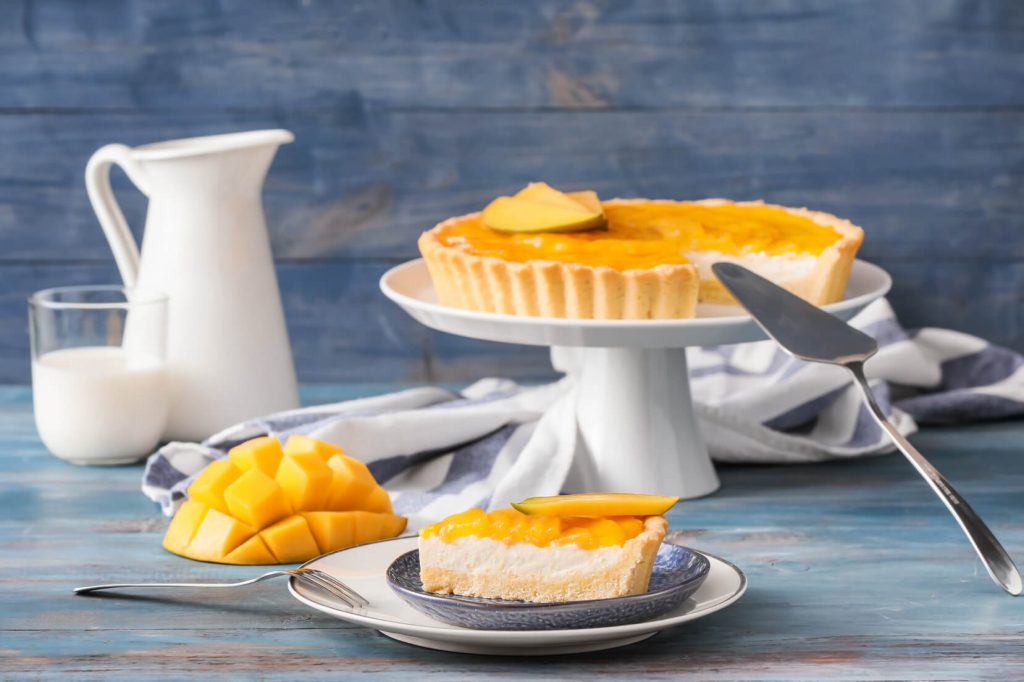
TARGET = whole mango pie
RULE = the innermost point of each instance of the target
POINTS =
(552, 549)
(552, 254)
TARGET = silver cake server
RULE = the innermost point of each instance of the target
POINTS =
(812, 334)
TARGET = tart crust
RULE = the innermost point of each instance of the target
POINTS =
(575, 290)
(568, 573)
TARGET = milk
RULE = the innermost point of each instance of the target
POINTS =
(99, 404)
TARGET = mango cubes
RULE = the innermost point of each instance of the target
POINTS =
(266, 504)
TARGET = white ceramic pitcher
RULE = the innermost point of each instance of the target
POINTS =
(206, 246)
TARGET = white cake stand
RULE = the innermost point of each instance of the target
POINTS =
(636, 421)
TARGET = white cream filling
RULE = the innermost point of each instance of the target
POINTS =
(483, 555)
(780, 269)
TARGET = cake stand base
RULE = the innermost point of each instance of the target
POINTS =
(637, 429)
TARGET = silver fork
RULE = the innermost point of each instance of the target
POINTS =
(325, 581)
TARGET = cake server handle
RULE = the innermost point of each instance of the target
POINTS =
(996, 560)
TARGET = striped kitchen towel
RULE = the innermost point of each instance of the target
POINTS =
(439, 451)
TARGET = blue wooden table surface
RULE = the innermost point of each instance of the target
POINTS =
(856, 571)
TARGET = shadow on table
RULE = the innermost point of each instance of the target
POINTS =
(725, 635)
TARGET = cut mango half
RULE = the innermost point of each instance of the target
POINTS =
(266, 504)
(597, 505)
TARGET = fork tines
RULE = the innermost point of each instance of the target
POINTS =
(332, 585)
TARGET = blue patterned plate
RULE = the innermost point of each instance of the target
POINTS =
(678, 572)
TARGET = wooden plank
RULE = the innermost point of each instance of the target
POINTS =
(856, 572)
(981, 298)
(341, 327)
(928, 186)
(510, 54)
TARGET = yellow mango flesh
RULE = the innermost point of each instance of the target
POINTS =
(256, 499)
(368, 526)
(377, 501)
(544, 193)
(607, 532)
(298, 443)
(209, 485)
(337, 530)
(351, 484)
(588, 199)
(305, 479)
(259, 453)
(290, 540)
(217, 536)
(596, 505)
(332, 529)
(239, 514)
(251, 552)
(511, 214)
(184, 526)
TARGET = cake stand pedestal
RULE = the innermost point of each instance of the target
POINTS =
(637, 428)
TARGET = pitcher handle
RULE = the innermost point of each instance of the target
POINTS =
(97, 185)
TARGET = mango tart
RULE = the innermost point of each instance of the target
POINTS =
(651, 260)
(506, 554)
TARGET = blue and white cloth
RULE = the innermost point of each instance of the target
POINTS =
(439, 452)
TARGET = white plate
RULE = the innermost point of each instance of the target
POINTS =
(409, 286)
(363, 568)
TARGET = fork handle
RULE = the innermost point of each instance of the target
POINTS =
(996, 560)
(117, 586)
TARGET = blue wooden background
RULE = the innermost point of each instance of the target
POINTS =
(906, 116)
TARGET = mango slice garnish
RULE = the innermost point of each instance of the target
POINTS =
(265, 504)
(597, 505)
(541, 208)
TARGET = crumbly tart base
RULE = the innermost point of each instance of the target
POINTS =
(555, 289)
(448, 568)
(573, 290)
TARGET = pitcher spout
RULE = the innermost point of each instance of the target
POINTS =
(194, 168)
(212, 144)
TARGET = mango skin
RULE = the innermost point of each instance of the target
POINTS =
(268, 528)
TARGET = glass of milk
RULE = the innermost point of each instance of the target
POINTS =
(99, 380)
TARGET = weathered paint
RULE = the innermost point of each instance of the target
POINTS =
(856, 572)
(904, 115)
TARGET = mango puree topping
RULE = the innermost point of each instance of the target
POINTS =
(643, 235)
(510, 526)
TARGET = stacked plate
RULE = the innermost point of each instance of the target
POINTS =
(685, 585)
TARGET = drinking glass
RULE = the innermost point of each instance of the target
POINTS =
(99, 379)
